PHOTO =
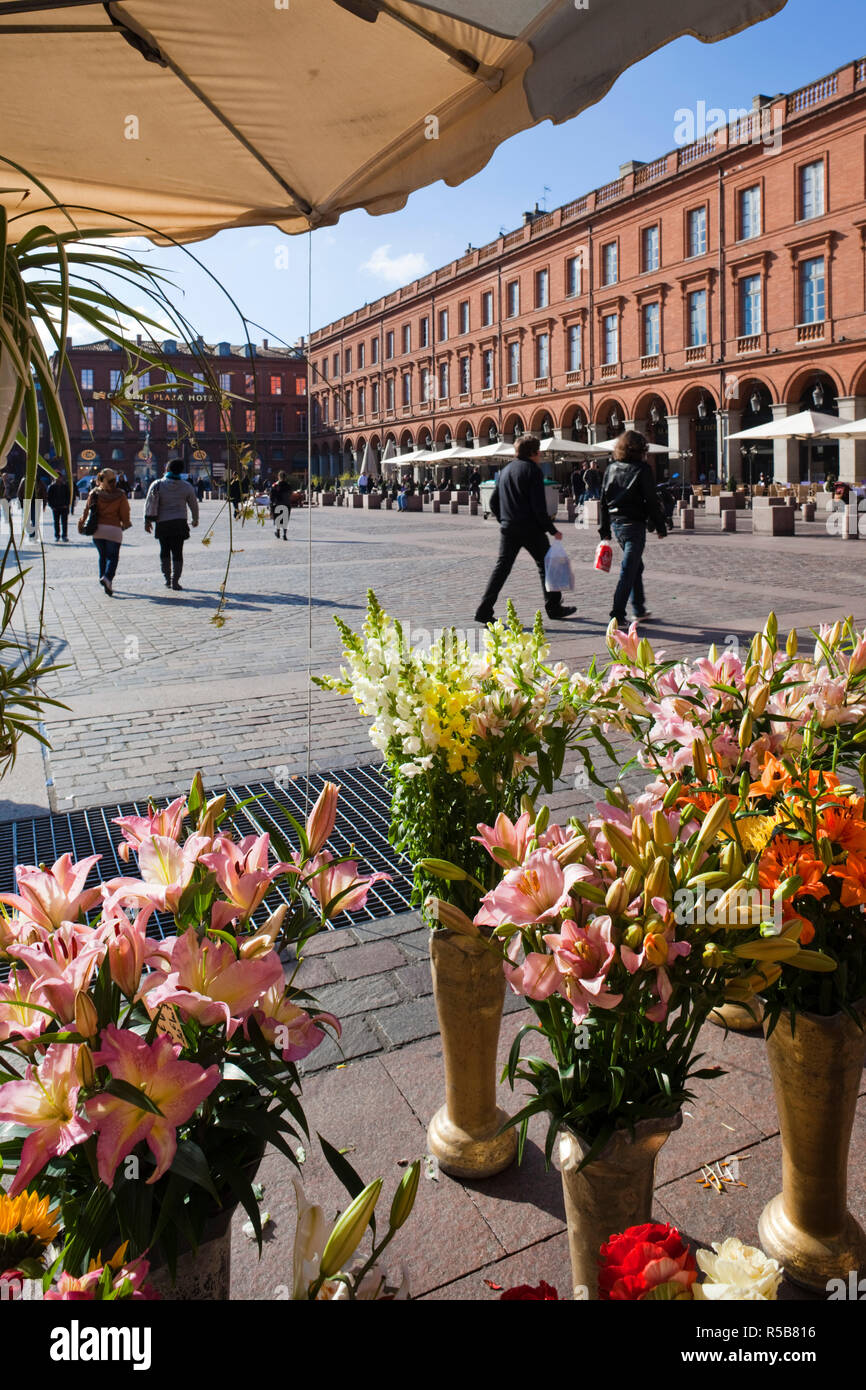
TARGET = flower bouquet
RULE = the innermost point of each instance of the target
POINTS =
(141, 1078)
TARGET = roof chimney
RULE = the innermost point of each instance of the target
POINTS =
(264, 344)
(138, 339)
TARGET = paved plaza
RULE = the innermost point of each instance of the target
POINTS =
(154, 691)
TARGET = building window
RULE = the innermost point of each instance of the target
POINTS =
(513, 364)
(362, 399)
(116, 422)
(115, 379)
(361, 354)
(407, 337)
(650, 248)
(144, 379)
(575, 346)
(276, 385)
(542, 289)
(443, 381)
(88, 414)
(347, 361)
(573, 268)
(487, 308)
(301, 386)
(487, 369)
(750, 305)
(464, 376)
(464, 316)
(425, 331)
(87, 378)
(374, 398)
(250, 418)
(324, 412)
(143, 424)
(302, 422)
(171, 424)
(250, 381)
(812, 190)
(389, 345)
(750, 212)
(812, 291)
(609, 264)
(425, 383)
(374, 351)
(610, 327)
(324, 369)
(336, 365)
(407, 388)
(198, 421)
(651, 330)
(389, 393)
(225, 381)
(512, 295)
(698, 318)
(347, 396)
(443, 325)
(697, 232)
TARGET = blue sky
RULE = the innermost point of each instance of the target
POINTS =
(364, 257)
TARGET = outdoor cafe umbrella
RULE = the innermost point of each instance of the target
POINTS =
(806, 424)
(852, 429)
(174, 115)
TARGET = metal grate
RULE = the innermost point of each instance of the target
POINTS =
(361, 830)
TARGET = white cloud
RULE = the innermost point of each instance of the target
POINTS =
(396, 270)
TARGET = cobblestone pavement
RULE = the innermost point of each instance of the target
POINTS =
(155, 690)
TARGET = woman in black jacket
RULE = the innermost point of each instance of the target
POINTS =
(281, 505)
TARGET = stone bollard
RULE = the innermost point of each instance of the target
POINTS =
(473, 507)
(808, 511)
(728, 519)
(687, 519)
(850, 531)
(437, 506)
(455, 507)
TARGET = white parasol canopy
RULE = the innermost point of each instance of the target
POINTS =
(804, 425)
(191, 118)
(853, 429)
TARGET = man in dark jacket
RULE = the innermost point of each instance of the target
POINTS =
(520, 507)
(281, 505)
(58, 497)
(629, 505)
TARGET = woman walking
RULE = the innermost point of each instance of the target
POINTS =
(166, 507)
(111, 506)
(281, 505)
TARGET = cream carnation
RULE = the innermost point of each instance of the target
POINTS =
(737, 1272)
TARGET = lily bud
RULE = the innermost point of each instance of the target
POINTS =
(744, 737)
(825, 850)
(658, 883)
(542, 820)
(214, 808)
(835, 634)
(672, 795)
(713, 958)
(632, 880)
(644, 653)
(527, 805)
(621, 844)
(617, 898)
(404, 1197)
(633, 938)
(629, 697)
(84, 1068)
(699, 760)
(262, 941)
(792, 644)
(771, 630)
(320, 821)
(349, 1230)
(656, 948)
(751, 675)
(745, 787)
(758, 700)
(640, 832)
(447, 915)
(86, 1018)
(713, 653)
(662, 833)
(615, 796)
(712, 823)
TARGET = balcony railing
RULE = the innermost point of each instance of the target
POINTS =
(751, 343)
(542, 383)
(696, 354)
(609, 192)
(609, 370)
(575, 208)
(810, 332)
(813, 95)
(860, 71)
(542, 223)
(487, 394)
(512, 239)
(650, 172)
(573, 378)
(650, 363)
(689, 154)
(513, 388)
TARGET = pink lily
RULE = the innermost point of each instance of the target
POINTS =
(242, 873)
(176, 1087)
(45, 1102)
(507, 835)
(584, 956)
(128, 947)
(320, 821)
(536, 892)
(51, 896)
(327, 881)
(166, 869)
(18, 1017)
(627, 642)
(63, 963)
(138, 829)
(536, 978)
(292, 1030)
(658, 951)
(205, 980)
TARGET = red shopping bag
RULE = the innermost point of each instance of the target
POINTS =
(603, 556)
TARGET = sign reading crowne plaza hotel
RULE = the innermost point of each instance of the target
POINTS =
(713, 289)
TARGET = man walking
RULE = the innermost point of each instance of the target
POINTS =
(519, 505)
(629, 505)
(58, 497)
(166, 506)
(281, 505)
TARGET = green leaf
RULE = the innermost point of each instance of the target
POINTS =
(342, 1168)
(190, 1162)
(133, 1095)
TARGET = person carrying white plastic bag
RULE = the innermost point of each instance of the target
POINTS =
(558, 574)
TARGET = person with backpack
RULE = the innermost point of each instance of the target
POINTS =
(165, 510)
(520, 506)
(281, 505)
(58, 496)
(109, 507)
(630, 505)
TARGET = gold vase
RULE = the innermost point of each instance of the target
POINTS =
(612, 1192)
(817, 1074)
(469, 988)
(740, 1018)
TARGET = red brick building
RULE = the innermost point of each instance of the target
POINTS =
(715, 288)
(268, 409)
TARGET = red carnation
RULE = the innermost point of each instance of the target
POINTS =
(631, 1265)
(540, 1293)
